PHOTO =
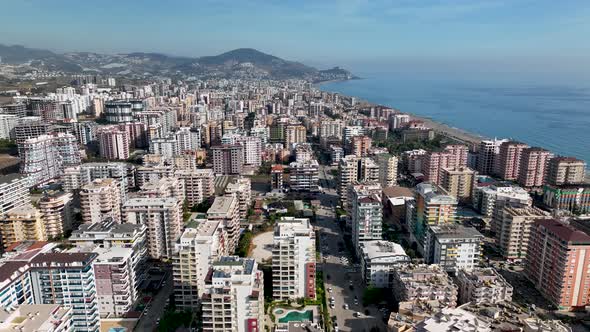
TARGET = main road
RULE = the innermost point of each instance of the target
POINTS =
(340, 276)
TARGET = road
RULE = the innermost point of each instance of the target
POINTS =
(339, 275)
(148, 321)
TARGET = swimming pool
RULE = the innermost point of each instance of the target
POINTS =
(297, 316)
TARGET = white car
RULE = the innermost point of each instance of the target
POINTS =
(330, 289)
(346, 306)
(332, 305)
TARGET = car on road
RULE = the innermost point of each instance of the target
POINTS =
(330, 289)
(357, 314)
(332, 305)
(345, 306)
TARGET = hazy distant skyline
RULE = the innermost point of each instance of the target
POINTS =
(315, 32)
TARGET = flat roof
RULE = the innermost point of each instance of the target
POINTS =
(221, 205)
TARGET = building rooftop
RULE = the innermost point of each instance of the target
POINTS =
(60, 259)
(392, 192)
(378, 248)
(33, 318)
(454, 231)
(565, 232)
(222, 205)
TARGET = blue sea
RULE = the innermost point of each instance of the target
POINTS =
(553, 116)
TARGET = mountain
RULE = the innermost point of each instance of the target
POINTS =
(238, 63)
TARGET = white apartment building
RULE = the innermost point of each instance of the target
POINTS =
(379, 260)
(37, 318)
(163, 219)
(15, 192)
(293, 259)
(116, 280)
(7, 124)
(387, 169)
(234, 296)
(226, 209)
(486, 198)
(304, 176)
(124, 173)
(453, 247)
(252, 149)
(366, 214)
(242, 188)
(167, 147)
(44, 158)
(100, 199)
(188, 138)
(331, 128)
(483, 285)
(67, 278)
(195, 252)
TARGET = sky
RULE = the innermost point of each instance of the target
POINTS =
(357, 33)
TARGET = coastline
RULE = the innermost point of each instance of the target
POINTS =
(439, 127)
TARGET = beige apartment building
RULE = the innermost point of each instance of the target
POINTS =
(513, 229)
(20, 224)
(100, 199)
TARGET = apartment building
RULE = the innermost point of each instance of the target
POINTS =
(293, 259)
(113, 142)
(242, 188)
(534, 166)
(512, 228)
(304, 176)
(424, 283)
(117, 281)
(7, 124)
(67, 278)
(233, 299)
(458, 182)
(100, 199)
(37, 318)
(483, 285)
(379, 260)
(360, 146)
(557, 263)
(366, 214)
(57, 212)
(252, 147)
(352, 169)
(276, 173)
(431, 207)
(387, 169)
(573, 198)
(163, 220)
(163, 187)
(487, 153)
(507, 164)
(226, 209)
(486, 198)
(566, 170)
(295, 134)
(44, 158)
(198, 184)
(453, 247)
(124, 173)
(228, 159)
(195, 252)
(15, 192)
(23, 223)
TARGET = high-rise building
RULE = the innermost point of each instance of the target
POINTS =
(304, 176)
(366, 214)
(387, 169)
(431, 207)
(242, 188)
(485, 199)
(487, 153)
(234, 296)
(453, 247)
(573, 198)
(195, 252)
(557, 263)
(352, 169)
(228, 159)
(226, 209)
(566, 170)
(458, 182)
(397, 121)
(167, 147)
(163, 219)
(276, 173)
(44, 158)
(379, 260)
(100, 199)
(113, 142)
(7, 124)
(57, 277)
(483, 285)
(534, 166)
(163, 187)
(252, 147)
(360, 145)
(118, 111)
(57, 212)
(295, 134)
(293, 259)
(21, 223)
(331, 128)
(15, 192)
(124, 173)
(198, 184)
(507, 164)
(512, 228)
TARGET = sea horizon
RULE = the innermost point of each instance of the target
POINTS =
(549, 115)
